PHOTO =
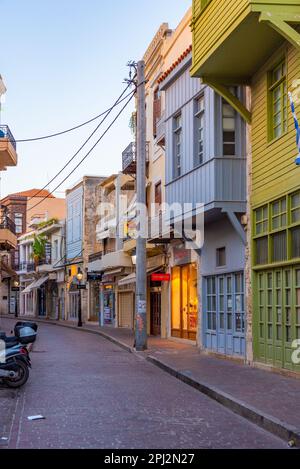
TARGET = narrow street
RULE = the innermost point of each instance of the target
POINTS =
(93, 394)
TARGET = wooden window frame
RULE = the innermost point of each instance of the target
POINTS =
(287, 228)
(177, 156)
(199, 158)
(273, 86)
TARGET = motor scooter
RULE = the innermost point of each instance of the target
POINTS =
(14, 365)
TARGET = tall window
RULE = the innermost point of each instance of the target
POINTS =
(19, 223)
(177, 135)
(55, 250)
(156, 110)
(158, 197)
(199, 131)
(277, 101)
(229, 128)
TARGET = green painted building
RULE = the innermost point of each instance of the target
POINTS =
(257, 44)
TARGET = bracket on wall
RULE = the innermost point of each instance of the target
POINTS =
(225, 92)
(279, 22)
(236, 225)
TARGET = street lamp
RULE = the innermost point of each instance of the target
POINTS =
(79, 278)
(16, 288)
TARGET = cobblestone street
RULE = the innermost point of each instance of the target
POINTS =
(93, 394)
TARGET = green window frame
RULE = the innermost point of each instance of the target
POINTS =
(276, 231)
(261, 220)
(279, 214)
(278, 102)
(295, 207)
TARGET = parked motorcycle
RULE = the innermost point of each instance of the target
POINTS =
(14, 371)
(15, 360)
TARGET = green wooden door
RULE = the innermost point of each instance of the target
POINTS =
(277, 317)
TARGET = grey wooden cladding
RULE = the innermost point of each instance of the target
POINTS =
(217, 180)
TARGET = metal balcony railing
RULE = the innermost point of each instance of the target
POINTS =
(6, 133)
(129, 158)
(25, 267)
(47, 261)
(7, 224)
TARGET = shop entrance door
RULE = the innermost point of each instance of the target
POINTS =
(277, 317)
(155, 305)
(184, 302)
(224, 313)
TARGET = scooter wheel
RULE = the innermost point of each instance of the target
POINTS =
(21, 378)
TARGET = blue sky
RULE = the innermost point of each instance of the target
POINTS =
(64, 61)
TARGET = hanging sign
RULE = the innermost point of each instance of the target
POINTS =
(161, 277)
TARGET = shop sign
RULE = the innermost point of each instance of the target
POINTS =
(81, 287)
(108, 279)
(160, 277)
(16, 289)
(93, 277)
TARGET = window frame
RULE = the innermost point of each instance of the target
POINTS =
(234, 91)
(281, 84)
(288, 229)
(218, 251)
(18, 216)
(177, 157)
(198, 115)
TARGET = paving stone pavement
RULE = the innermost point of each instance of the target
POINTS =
(95, 395)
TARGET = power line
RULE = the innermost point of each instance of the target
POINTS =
(87, 154)
(118, 101)
(57, 134)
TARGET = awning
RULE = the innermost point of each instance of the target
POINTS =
(41, 281)
(36, 284)
(127, 280)
(132, 277)
(29, 288)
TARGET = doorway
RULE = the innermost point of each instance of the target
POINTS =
(224, 313)
(41, 294)
(185, 302)
(155, 310)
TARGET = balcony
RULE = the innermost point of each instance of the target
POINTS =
(8, 148)
(218, 184)
(234, 38)
(8, 239)
(111, 260)
(25, 267)
(161, 131)
(45, 265)
(129, 158)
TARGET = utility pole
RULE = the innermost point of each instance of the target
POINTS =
(141, 257)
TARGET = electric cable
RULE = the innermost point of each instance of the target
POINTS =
(87, 154)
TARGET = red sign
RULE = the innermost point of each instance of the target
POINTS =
(161, 277)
